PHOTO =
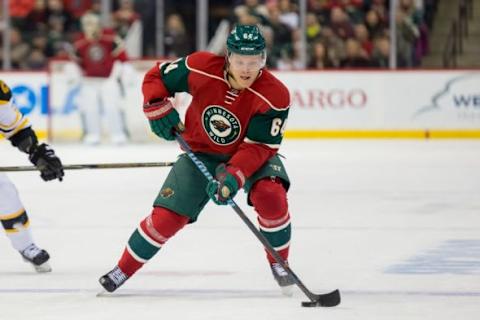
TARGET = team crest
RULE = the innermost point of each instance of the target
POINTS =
(166, 193)
(96, 53)
(221, 125)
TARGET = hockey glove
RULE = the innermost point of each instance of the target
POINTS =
(44, 158)
(163, 119)
(228, 180)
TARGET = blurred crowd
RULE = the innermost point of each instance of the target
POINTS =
(340, 33)
(44, 29)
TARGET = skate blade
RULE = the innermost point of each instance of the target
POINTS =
(102, 293)
(43, 268)
(287, 290)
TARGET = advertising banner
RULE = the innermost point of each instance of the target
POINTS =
(383, 100)
(323, 103)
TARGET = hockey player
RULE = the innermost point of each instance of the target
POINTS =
(100, 55)
(235, 125)
(15, 127)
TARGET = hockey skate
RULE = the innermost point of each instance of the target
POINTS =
(113, 279)
(283, 279)
(37, 257)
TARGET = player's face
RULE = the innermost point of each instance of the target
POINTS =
(244, 69)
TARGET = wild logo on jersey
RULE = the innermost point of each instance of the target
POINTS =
(221, 125)
(96, 53)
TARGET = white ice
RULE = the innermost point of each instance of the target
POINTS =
(394, 224)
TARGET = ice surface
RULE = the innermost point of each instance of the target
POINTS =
(394, 224)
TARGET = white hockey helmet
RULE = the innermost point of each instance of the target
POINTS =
(90, 24)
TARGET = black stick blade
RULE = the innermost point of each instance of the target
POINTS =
(331, 299)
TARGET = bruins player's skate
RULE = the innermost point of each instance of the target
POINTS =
(37, 257)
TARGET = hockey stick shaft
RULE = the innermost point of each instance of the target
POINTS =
(93, 166)
(199, 164)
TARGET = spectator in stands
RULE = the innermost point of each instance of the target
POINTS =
(56, 35)
(242, 16)
(36, 20)
(177, 41)
(253, 8)
(124, 17)
(376, 27)
(56, 13)
(381, 53)
(290, 58)
(282, 37)
(289, 14)
(313, 27)
(355, 57)
(361, 34)
(319, 57)
(411, 11)
(318, 8)
(19, 49)
(78, 8)
(36, 60)
(353, 8)
(335, 45)
(407, 34)
(380, 8)
(340, 23)
(414, 18)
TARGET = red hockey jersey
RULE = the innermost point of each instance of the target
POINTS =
(247, 125)
(97, 56)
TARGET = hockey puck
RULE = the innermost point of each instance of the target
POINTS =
(310, 304)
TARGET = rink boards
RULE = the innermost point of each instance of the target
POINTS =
(324, 104)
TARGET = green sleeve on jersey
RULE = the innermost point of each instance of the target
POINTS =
(268, 128)
(175, 76)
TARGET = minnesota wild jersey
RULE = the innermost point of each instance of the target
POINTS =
(246, 125)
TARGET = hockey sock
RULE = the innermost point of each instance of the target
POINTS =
(16, 226)
(269, 199)
(149, 237)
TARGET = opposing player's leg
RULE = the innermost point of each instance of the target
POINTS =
(16, 223)
(268, 195)
(179, 202)
(90, 110)
(110, 96)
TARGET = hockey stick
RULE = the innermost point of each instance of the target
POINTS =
(330, 299)
(94, 166)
